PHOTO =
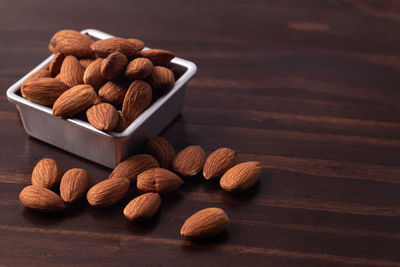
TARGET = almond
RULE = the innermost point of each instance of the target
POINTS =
(139, 68)
(74, 184)
(108, 192)
(70, 42)
(98, 100)
(241, 177)
(71, 72)
(162, 79)
(133, 166)
(113, 65)
(138, 43)
(189, 161)
(115, 44)
(41, 199)
(103, 116)
(158, 180)
(122, 125)
(92, 74)
(137, 99)
(55, 64)
(158, 56)
(219, 162)
(52, 49)
(114, 91)
(43, 91)
(46, 173)
(161, 150)
(205, 223)
(143, 207)
(85, 62)
(74, 100)
(43, 73)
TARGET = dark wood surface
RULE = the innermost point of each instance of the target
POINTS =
(309, 88)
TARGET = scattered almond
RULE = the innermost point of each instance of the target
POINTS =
(92, 74)
(158, 56)
(74, 100)
(158, 180)
(241, 177)
(43, 91)
(113, 65)
(219, 162)
(162, 151)
(103, 116)
(133, 166)
(74, 184)
(71, 72)
(108, 192)
(143, 207)
(205, 223)
(137, 99)
(46, 173)
(189, 161)
(139, 68)
(41, 199)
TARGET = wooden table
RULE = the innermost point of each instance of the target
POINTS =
(309, 88)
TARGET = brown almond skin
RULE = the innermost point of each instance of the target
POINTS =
(133, 166)
(46, 173)
(137, 99)
(142, 207)
(74, 184)
(162, 79)
(108, 192)
(113, 65)
(74, 100)
(71, 72)
(189, 161)
(114, 91)
(43, 91)
(70, 42)
(55, 64)
(218, 162)
(158, 56)
(85, 62)
(122, 125)
(205, 223)
(43, 73)
(92, 74)
(103, 116)
(139, 68)
(41, 199)
(138, 43)
(115, 44)
(241, 177)
(158, 180)
(162, 150)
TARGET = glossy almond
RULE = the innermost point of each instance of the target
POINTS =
(70, 42)
(219, 162)
(74, 100)
(92, 74)
(43, 91)
(143, 207)
(189, 161)
(162, 79)
(205, 223)
(139, 68)
(162, 150)
(114, 91)
(108, 192)
(115, 44)
(56, 63)
(122, 125)
(46, 173)
(103, 116)
(158, 180)
(133, 166)
(137, 99)
(138, 43)
(158, 56)
(241, 177)
(71, 72)
(41, 199)
(74, 184)
(113, 65)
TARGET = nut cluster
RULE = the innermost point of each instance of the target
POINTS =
(110, 82)
(157, 173)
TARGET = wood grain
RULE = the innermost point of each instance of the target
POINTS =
(308, 88)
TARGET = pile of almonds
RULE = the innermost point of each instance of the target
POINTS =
(157, 173)
(111, 81)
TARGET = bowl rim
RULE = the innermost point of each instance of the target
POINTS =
(186, 76)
